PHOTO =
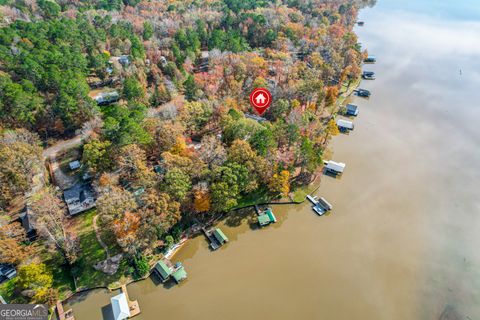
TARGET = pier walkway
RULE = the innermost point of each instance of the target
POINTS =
(132, 305)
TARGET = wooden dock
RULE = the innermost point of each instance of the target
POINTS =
(64, 315)
(132, 305)
(211, 238)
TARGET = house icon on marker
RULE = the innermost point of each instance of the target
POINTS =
(260, 99)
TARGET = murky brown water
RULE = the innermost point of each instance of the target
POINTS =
(403, 239)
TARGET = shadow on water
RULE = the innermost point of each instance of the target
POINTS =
(331, 174)
(237, 218)
(169, 284)
(107, 312)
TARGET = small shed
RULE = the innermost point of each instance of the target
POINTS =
(352, 110)
(220, 236)
(335, 167)
(120, 307)
(344, 125)
(179, 274)
(74, 165)
(162, 270)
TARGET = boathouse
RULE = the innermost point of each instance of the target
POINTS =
(363, 93)
(120, 307)
(344, 125)
(179, 274)
(162, 271)
(352, 110)
(335, 167)
(368, 75)
(266, 217)
(370, 59)
(220, 236)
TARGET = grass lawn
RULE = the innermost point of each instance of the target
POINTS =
(91, 252)
(62, 276)
(261, 196)
(300, 193)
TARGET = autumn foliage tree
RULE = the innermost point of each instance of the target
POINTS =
(202, 200)
(20, 160)
(35, 281)
(280, 183)
(331, 97)
(12, 249)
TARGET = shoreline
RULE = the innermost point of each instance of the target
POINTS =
(311, 188)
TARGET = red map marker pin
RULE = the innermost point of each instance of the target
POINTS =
(260, 100)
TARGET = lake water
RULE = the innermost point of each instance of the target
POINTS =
(403, 239)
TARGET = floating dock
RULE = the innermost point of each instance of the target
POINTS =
(320, 205)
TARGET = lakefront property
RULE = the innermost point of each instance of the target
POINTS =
(127, 129)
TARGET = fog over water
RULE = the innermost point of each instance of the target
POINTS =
(403, 239)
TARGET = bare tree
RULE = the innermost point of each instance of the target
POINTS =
(49, 214)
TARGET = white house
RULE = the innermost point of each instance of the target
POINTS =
(120, 307)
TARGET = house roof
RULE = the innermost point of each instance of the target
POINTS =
(179, 274)
(163, 269)
(79, 198)
(74, 165)
(120, 307)
(25, 220)
(220, 236)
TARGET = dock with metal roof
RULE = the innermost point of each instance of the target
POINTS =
(216, 237)
(265, 217)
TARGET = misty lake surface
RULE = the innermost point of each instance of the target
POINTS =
(402, 241)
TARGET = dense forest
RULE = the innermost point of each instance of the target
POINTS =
(178, 144)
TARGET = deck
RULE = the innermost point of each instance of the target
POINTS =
(320, 205)
(132, 305)
(64, 315)
(214, 244)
